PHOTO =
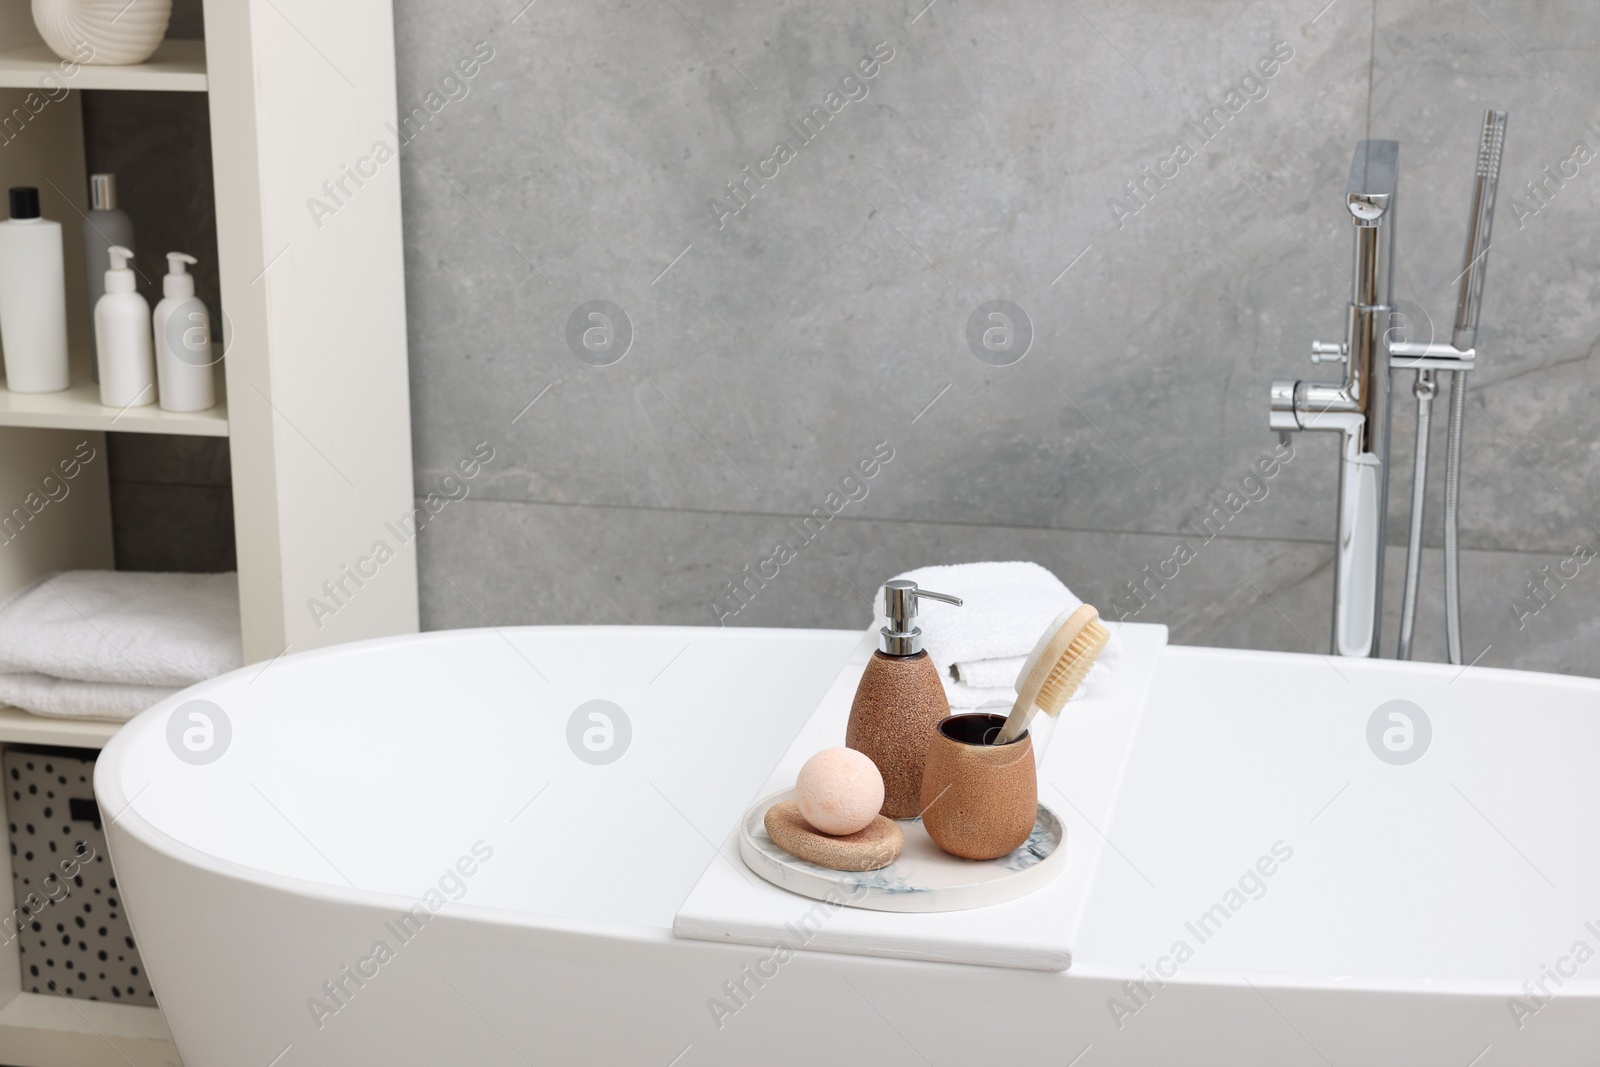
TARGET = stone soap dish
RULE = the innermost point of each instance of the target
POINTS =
(924, 878)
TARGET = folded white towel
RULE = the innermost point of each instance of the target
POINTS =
(990, 673)
(962, 695)
(65, 699)
(979, 648)
(123, 627)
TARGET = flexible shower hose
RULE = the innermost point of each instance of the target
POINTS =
(1452, 504)
(1463, 340)
(1425, 390)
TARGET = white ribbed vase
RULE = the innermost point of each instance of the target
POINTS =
(116, 32)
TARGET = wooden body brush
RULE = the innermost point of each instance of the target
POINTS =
(1055, 668)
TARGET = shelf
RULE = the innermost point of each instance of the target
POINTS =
(20, 727)
(43, 1028)
(177, 66)
(79, 408)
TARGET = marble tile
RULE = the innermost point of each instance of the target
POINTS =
(1552, 626)
(575, 565)
(618, 565)
(1529, 449)
(774, 347)
(982, 162)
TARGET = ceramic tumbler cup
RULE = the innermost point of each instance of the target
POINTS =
(979, 800)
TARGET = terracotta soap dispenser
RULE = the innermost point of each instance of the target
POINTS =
(900, 701)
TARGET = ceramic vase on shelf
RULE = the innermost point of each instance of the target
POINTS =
(102, 32)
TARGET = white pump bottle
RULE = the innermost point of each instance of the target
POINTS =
(183, 341)
(122, 338)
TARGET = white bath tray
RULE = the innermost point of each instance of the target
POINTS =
(1078, 777)
(923, 878)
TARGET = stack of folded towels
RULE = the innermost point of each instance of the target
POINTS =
(108, 644)
(979, 648)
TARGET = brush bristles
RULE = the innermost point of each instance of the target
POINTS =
(1071, 668)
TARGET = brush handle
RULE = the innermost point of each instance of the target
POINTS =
(1016, 722)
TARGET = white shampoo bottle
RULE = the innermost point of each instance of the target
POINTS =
(33, 298)
(122, 338)
(183, 341)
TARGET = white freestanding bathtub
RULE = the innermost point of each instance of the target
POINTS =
(415, 851)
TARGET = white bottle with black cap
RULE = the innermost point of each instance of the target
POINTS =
(122, 338)
(183, 341)
(33, 298)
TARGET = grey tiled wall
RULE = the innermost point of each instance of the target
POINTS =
(990, 158)
(171, 503)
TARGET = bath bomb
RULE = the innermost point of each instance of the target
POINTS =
(839, 790)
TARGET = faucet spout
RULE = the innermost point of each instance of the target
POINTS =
(1374, 172)
(1358, 406)
(1364, 453)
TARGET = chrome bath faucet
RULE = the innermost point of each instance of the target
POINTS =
(1358, 407)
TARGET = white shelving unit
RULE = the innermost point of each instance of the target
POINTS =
(24, 728)
(313, 392)
(79, 408)
(177, 66)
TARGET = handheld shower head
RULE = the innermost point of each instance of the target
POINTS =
(1485, 182)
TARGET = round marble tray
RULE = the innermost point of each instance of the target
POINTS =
(924, 878)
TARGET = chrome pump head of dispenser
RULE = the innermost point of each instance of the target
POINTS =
(900, 637)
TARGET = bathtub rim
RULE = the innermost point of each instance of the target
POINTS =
(128, 820)
(112, 796)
